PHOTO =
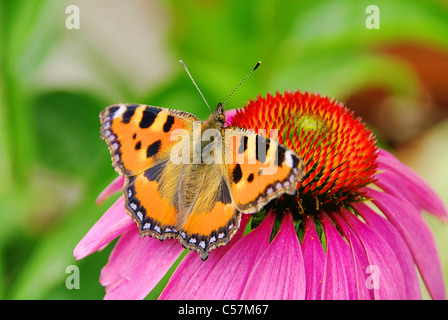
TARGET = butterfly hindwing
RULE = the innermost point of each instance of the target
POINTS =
(212, 221)
(137, 135)
(155, 215)
(153, 200)
(260, 169)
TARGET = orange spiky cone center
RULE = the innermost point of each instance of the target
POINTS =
(338, 150)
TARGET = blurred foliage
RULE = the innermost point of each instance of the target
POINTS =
(52, 162)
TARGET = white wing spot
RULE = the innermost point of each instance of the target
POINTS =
(119, 112)
(140, 215)
(288, 159)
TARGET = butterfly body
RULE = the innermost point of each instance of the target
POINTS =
(192, 180)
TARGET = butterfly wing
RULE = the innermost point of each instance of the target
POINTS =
(154, 214)
(259, 169)
(138, 135)
(156, 199)
(213, 218)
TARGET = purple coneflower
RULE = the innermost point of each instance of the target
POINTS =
(354, 230)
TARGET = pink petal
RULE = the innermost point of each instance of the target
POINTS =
(418, 236)
(314, 258)
(230, 274)
(339, 282)
(402, 181)
(359, 257)
(385, 275)
(279, 273)
(188, 278)
(113, 223)
(137, 264)
(230, 114)
(385, 229)
(114, 187)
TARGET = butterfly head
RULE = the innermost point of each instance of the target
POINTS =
(218, 115)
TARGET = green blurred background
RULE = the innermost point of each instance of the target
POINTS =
(54, 82)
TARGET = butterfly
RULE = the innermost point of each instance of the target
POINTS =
(192, 180)
(196, 202)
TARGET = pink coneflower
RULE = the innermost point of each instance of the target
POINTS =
(354, 229)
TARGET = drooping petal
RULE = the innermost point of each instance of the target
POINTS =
(137, 264)
(409, 184)
(418, 236)
(231, 273)
(339, 282)
(280, 272)
(385, 275)
(113, 223)
(188, 278)
(359, 257)
(114, 187)
(384, 228)
(314, 259)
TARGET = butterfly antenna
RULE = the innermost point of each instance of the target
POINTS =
(252, 71)
(186, 69)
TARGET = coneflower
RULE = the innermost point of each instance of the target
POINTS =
(353, 230)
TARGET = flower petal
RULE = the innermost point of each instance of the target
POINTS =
(230, 114)
(403, 181)
(231, 273)
(418, 236)
(385, 274)
(384, 228)
(359, 257)
(113, 223)
(339, 282)
(280, 272)
(314, 258)
(137, 264)
(113, 187)
(188, 278)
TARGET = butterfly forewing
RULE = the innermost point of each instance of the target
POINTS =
(259, 168)
(139, 134)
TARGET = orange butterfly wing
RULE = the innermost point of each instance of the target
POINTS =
(201, 230)
(137, 135)
(259, 169)
(206, 229)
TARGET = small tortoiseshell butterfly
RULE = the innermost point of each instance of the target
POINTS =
(191, 180)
